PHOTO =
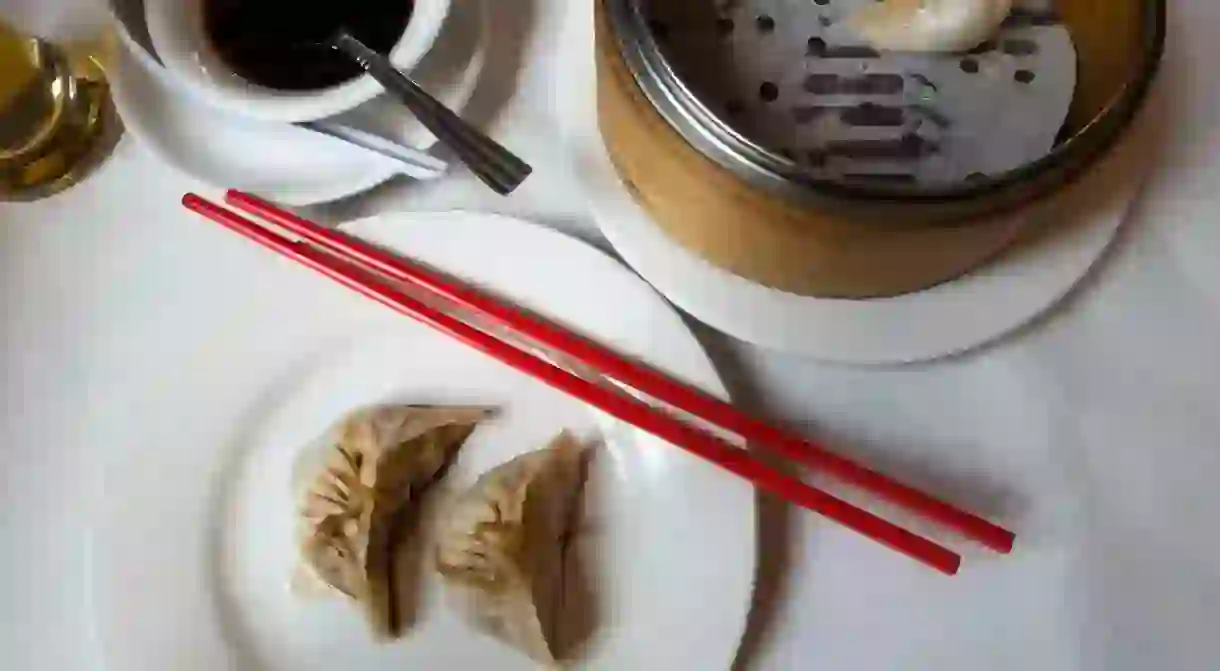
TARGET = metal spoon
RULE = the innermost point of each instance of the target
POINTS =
(496, 166)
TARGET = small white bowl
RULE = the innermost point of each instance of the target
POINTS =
(177, 30)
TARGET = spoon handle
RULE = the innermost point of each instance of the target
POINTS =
(496, 166)
(411, 161)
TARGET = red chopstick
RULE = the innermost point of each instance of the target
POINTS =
(637, 376)
(617, 403)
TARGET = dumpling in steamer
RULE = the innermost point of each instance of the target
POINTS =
(501, 547)
(380, 460)
(929, 25)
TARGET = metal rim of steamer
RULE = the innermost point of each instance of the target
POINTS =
(952, 204)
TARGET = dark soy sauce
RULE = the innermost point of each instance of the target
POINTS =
(280, 44)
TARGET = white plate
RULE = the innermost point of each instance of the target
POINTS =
(944, 320)
(192, 547)
(284, 163)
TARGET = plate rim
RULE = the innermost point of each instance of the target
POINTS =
(708, 377)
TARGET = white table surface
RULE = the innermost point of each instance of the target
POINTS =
(1095, 432)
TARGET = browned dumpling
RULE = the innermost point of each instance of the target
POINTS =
(501, 546)
(381, 459)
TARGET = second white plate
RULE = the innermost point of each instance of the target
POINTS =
(953, 317)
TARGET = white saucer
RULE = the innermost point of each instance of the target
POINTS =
(947, 319)
(281, 162)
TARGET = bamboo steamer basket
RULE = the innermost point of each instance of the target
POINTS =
(864, 241)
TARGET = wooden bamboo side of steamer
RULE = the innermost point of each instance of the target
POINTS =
(776, 241)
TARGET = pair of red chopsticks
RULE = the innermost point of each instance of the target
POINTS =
(373, 272)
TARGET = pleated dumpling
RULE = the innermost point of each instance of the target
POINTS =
(501, 546)
(378, 461)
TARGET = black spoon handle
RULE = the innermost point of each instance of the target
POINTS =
(496, 166)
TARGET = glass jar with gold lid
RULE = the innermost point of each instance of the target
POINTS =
(56, 119)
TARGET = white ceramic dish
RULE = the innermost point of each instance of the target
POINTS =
(191, 543)
(944, 320)
(284, 163)
(181, 40)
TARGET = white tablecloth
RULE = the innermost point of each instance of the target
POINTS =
(1094, 432)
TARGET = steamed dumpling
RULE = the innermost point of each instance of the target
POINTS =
(929, 25)
(501, 546)
(380, 459)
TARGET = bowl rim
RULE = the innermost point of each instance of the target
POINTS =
(183, 48)
(718, 141)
